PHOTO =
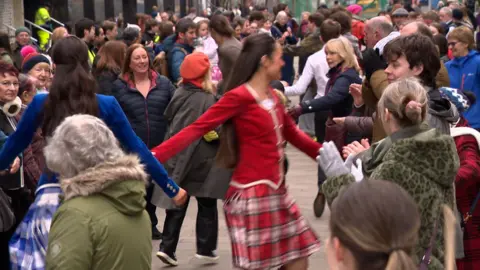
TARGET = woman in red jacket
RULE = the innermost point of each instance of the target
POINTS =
(266, 227)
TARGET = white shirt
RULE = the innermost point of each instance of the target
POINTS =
(316, 67)
(382, 42)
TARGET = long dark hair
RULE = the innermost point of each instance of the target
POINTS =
(73, 87)
(5, 43)
(254, 48)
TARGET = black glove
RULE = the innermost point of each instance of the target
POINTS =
(372, 61)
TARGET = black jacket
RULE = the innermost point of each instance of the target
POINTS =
(337, 97)
(146, 115)
(106, 80)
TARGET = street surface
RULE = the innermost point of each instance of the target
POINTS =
(302, 178)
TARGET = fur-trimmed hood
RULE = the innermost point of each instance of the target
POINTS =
(122, 182)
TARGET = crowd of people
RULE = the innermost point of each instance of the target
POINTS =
(114, 120)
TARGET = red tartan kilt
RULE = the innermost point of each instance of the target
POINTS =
(267, 229)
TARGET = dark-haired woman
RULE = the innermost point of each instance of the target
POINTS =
(72, 92)
(144, 95)
(228, 46)
(111, 58)
(266, 227)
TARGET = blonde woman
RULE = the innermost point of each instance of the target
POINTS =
(193, 168)
(420, 159)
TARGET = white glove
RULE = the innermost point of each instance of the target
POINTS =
(330, 161)
(356, 171)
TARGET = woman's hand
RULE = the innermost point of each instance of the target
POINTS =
(284, 83)
(330, 161)
(355, 148)
(13, 169)
(180, 198)
(295, 111)
(339, 120)
(356, 92)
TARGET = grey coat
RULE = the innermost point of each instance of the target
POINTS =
(193, 168)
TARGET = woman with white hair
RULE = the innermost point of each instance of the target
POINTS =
(281, 23)
(102, 222)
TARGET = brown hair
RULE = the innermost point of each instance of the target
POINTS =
(58, 34)
(221, 26)
(316, 18)
(329, 29)
(111, 56)
(128, 58)
(254, 48)
(464, 35)
(166, 29)
(380, 231)
(407, 102)
(431, 15)
(344, 20)
(419, 50)
(108, 25)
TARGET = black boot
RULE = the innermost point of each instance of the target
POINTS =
(207, 230)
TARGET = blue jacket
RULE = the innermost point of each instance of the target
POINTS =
(464, 74)
(111, 113)
(175, 54)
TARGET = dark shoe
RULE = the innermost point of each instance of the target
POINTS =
(166, 258)
(319, 205)
(207, 257)
(156, 234)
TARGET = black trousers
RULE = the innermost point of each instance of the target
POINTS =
(206, 227)
(151, 208)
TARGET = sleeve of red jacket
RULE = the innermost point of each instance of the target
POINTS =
(469, 170)
(227, 107)
(298, 138)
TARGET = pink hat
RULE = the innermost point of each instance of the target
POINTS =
(26, 50)
(354, 9)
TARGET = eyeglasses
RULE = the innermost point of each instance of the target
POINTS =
(452, 44)
(7, 84)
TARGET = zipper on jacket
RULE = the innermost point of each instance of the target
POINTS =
(148, 123)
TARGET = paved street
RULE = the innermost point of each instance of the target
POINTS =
(302, 185)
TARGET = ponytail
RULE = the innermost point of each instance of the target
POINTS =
(400, 260)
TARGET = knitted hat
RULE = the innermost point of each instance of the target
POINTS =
(194, 66)
(457, 14)
(354, 9)
(31, 60)
(22, 29)
(26, 50)
(456, 97)
(400, 12)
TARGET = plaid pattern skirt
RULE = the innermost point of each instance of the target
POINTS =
(28, 245)
(267, 229)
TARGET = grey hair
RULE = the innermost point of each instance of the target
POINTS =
(280, 15)
(447, 11)
(382, 24)
(80, 142)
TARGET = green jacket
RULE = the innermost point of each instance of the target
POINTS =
(422, 161)
(309, 45)
(102, 224)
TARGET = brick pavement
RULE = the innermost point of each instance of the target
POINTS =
(303, 187)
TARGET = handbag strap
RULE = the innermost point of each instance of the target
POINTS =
(469, 214)
(428, 253)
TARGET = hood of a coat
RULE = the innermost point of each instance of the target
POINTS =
(169, 42)
(122, 182)
(441, 107)
(430, 153)
(179, 98)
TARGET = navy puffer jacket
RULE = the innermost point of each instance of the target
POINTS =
(146, 115)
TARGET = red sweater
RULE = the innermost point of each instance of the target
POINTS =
(260, 134)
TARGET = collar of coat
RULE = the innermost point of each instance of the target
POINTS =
(128, 78)
(96, 179)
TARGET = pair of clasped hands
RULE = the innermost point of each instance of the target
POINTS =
(332, 164)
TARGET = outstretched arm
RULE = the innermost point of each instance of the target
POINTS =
(18, 141)
(227, 107)
(118, 123)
